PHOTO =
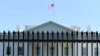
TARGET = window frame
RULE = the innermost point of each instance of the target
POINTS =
(37, 50)
(52, 51)
(20, 51)
(95, 51)
(84, 51)
(66, 51)
(8, 50)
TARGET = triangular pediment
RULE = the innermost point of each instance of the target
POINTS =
(50, 26)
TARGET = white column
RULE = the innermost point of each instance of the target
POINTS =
(59, 49)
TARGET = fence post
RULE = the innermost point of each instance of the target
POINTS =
(47, 42)
(87, 42)
(77, 42)
(67, 43)
(97, 42)
(13, 41)
(18, 33)
(42, 42)
(8, 43)
(57, 41)
(28, 33)
(72, 34)
(52, 43)
(91, 44)
(23, 33)
(32, 43)
(82, 44)
(4, 33)
(37, 48)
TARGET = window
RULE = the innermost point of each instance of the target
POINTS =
(84, 51)
(52, 51)
(8, 50)
(20, 50)
(66, 51)
(96, 51)
(38, 50)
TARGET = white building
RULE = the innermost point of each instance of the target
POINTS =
(42, 47)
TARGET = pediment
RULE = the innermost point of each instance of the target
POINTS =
(50, 26)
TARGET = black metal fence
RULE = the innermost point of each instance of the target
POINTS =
(49, 43)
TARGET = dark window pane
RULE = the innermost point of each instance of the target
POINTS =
(52, 50)
(38, 50)
(8, 50)
(96, 52)
(20, 50)
(66, 51)
(84, 51)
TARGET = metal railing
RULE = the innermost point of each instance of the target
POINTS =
(49, 43)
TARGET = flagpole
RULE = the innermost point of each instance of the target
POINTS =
(53, 14)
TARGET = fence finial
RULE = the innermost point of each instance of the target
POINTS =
(82, 33)
(57, 32)
(92, 33)
(72, 33)
(8, 33)
(4, 32)
(37, 35)
(86, 33)
(13, 33)
(97, 35)
(77, 33)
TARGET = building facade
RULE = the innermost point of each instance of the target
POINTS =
(40, 49)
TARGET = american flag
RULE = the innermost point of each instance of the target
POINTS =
(50, 6)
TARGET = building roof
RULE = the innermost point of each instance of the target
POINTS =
(47, 23)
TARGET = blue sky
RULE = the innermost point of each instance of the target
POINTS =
(35, 12)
